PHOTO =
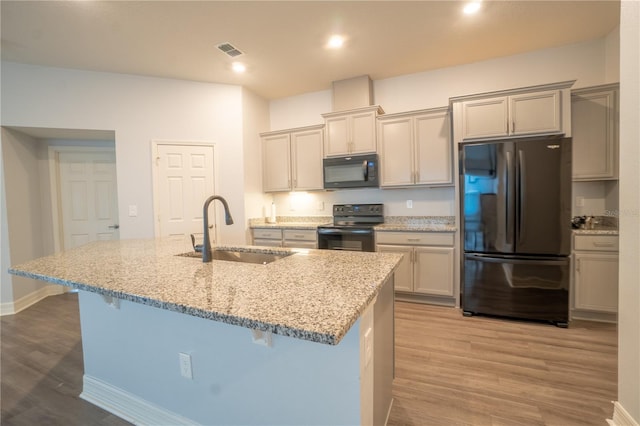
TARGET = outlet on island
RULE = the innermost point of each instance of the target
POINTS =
(185, 365)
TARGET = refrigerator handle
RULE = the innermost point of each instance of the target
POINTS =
(510, 201)
(522, 192)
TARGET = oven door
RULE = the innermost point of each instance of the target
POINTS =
(351, 239)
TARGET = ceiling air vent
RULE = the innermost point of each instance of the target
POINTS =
(230, 50)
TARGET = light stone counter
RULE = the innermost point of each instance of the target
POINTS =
(597, 231)
(291, 222)
(314, 295)
(418, 224)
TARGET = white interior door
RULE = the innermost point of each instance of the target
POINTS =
(185, 178)
(88, 197)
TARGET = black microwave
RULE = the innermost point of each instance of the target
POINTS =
(353, 171)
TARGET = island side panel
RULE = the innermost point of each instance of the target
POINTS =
(134, 348)
(384, 352)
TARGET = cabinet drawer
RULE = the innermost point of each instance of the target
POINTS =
(595, 243)
(272, 234)
(299, 244)
(416, 238)
(267, 243)
(300, 234)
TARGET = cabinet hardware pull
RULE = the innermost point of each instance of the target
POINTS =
(577, 265)
(513, 126)
(600, 244)
(413, 239)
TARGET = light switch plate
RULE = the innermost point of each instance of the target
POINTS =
(579, 201)
(133, 210)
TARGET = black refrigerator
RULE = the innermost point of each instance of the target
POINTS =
(516, 228)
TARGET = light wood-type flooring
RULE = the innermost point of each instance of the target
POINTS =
(450, 370)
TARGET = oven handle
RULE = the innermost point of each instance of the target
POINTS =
(334, 231)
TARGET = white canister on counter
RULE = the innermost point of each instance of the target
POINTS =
(272, 216)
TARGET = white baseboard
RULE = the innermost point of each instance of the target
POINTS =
(128, 406)
(621, 417)
(11, 308)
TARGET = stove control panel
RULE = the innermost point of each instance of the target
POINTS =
(358, 210)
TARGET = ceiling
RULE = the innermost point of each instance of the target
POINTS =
(283, 42)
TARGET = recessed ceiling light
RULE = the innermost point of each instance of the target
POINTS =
(335, 42)
(238, 67)
(471, 7)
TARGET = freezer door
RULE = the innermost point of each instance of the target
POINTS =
(488, 197)
(511, 286)
(543, 196)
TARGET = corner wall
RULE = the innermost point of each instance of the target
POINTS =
(23, 217)
(138, 109)
(627, 408)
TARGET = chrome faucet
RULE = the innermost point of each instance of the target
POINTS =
(205, 248)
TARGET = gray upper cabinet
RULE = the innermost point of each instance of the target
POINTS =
(538, 110)
(594, 118)
(292, 160)
(351, 132)
(415, 148)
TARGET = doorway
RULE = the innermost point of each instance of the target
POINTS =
(184, 176)
(84, 195)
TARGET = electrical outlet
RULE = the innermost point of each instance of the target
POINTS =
(579, 201)
(133, 210)
(185, 365)
(320, 205)
(409, 204)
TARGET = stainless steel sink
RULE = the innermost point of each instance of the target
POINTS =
(240, 256)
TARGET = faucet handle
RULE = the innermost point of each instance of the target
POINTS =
(196, 247)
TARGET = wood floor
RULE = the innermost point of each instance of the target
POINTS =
(450, 370)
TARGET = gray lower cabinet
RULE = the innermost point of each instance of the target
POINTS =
(595, 277)
(300, 238)
(267, 237)
(427, 267)
(293, 238)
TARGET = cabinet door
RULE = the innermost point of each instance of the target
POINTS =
(396, 152)
(306, 150)
(267, 243)
(276, 163)
(363, 132)
(537, 112)
(485, 118)
(403, 278)
(593, 122)
(596, 281)
(338, 140)
(434, 271)
(433, 149)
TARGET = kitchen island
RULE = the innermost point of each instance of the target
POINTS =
(307, 339)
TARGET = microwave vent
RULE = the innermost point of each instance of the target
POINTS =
(230, 50)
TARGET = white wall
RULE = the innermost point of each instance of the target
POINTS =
(255, 112)
(590, 63)
(6, 283)
(629, 274)
(23, 210)
(138, 109)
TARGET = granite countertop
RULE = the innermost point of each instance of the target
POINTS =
(391, 223)
(291, 222)
(314, 295)
(602, 230)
